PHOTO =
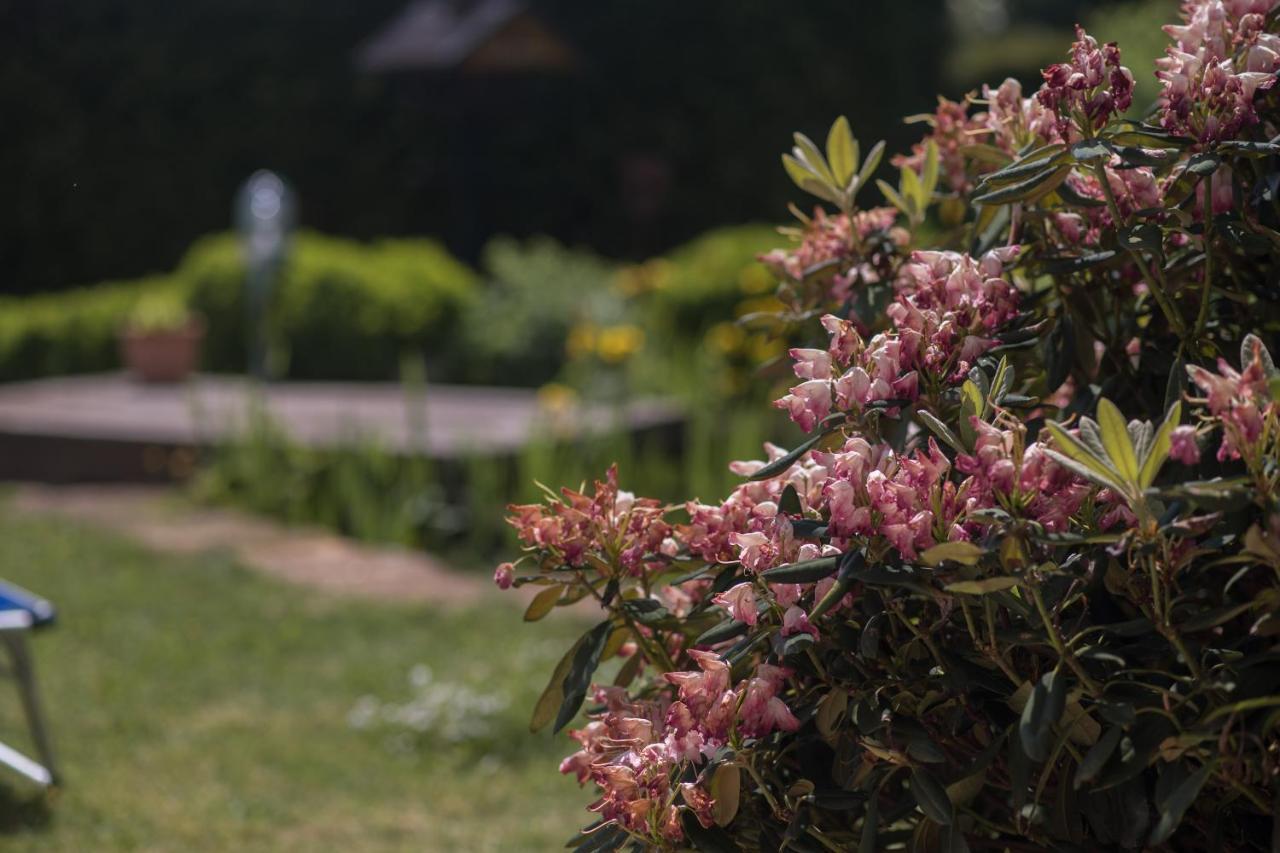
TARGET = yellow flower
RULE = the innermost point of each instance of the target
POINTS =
(617, 343)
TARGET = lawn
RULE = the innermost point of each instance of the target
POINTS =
(198, 706)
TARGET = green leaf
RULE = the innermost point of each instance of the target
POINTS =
(1176, 383)
(1115, 437)
(965, 553)
(1039, 184)
(1043, 709)
(931, 797)
(543, 603)
(929, 177)
(1204, 163)
(726, 630)
(586, 658)
(544, 710)
(1159, 450)
(842, 151)
(1078, 458)
(725, 788)
(808, 153)
(941, 430)
(981, 587)
(870, 826)
(797, 171)
(806, 571)
(1097, 756)
(790, 501)
(1089, 150)
(912, 191)
(891, 195)
(870, 164)
(1173, 807)
(782, 463)
(1144, 235)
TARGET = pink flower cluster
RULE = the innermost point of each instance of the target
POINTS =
(633, 750)
(1026, 479)
(1088, 89)
(1221, 58)
(1010, 123)
(573, 529)
(909, 500)
(1241, 400)
(840, 240)
(749, 520)
(946, 308)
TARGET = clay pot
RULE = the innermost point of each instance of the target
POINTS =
(162, 355)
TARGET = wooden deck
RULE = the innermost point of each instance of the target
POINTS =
(109, 427)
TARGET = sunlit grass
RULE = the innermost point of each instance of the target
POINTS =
(197, 706)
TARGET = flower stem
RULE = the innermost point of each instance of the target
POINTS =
(1068, 657)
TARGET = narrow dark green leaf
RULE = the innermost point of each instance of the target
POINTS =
(1176, 804)
(1097, 756)
(1044, 707)
(585, 660)
(931, 797)
(726, 630)
(1204, 163)
(781, 464)
(941, 430)
(870, 826)
(790, 501)
(806, 571)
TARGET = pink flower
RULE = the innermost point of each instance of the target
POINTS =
(1092, 84)
(504, 575)
(808, 403)
(740, 601)
(796, 621)
(1182, 445)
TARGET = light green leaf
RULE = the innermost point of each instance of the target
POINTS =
(797, 171)
(1159, 450)
(543, 603)
(1079, 458)
(891, 195)
(870, 164)
(929, 177)
(982, 587)
(965, 553)
(807, 152)
(1115, 438)
(842, 151)
(912, 191)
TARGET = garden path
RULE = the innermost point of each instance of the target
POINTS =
(160, 520)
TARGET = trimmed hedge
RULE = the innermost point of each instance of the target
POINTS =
(341, 310)
(69, 332)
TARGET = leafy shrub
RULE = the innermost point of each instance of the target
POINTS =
(537, 291)
(71, 332)
(340, 309)
(1020, 587)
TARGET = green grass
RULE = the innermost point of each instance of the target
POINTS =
(198, 706)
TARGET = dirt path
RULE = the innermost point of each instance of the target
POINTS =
(159, 520)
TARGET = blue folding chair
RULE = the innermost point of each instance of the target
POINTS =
(21, 612)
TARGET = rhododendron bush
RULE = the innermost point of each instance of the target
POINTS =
(1019, 589)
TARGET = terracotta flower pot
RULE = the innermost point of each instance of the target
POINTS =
(162, 355)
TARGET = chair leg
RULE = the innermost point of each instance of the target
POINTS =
(24, 672)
